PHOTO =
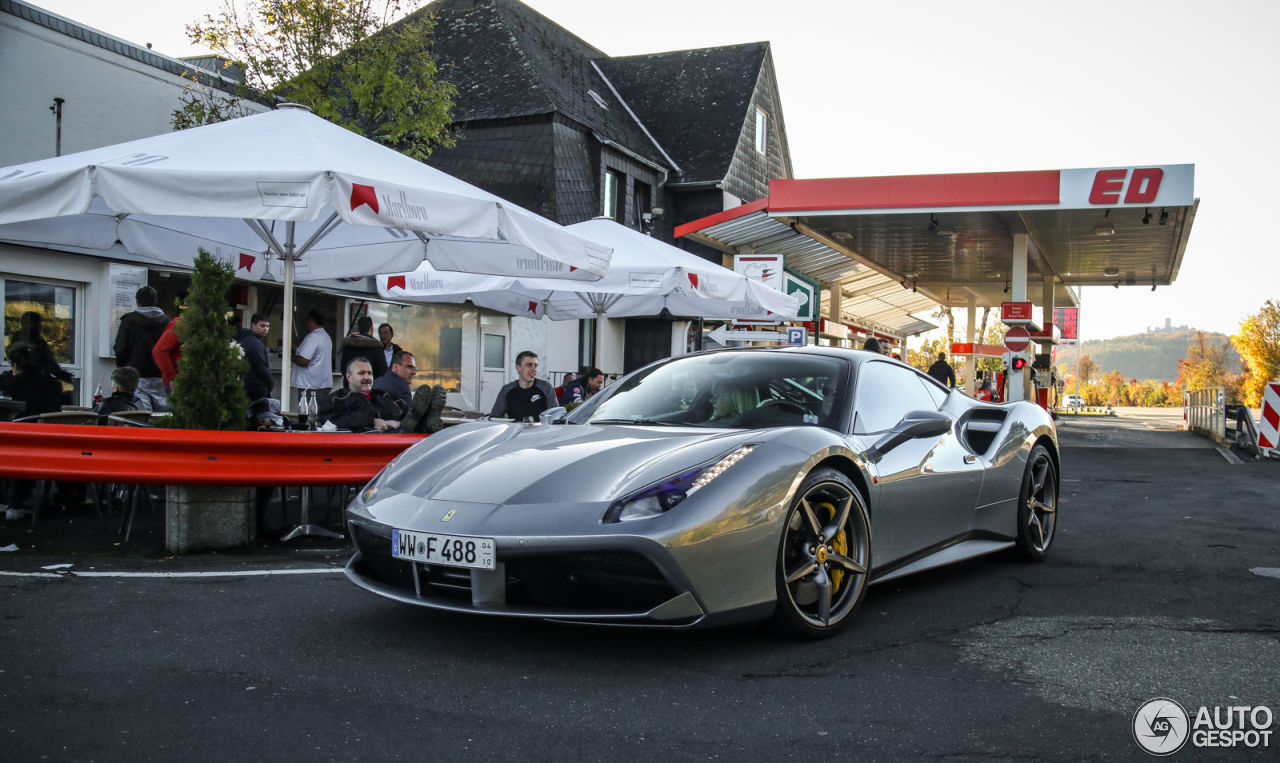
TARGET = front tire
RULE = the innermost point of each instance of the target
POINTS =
(1037, 506)
(823, 557)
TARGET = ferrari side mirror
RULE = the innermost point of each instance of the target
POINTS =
(914, 426)
(553, 415)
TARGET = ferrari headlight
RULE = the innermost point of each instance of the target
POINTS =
(370, 490)
(667, 494)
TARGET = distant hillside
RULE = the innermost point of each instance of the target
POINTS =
(1153, 355)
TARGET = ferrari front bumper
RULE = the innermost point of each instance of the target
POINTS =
(605, 585)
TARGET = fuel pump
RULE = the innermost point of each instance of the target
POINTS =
(1011, 361)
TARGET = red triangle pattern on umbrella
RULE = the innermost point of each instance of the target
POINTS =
(364, 194)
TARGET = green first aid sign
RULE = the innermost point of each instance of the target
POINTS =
(806, 294)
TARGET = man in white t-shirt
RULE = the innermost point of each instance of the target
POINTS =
(313, 360)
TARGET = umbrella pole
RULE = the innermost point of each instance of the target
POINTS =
(286, 351)
(595, 346)
(304, 521)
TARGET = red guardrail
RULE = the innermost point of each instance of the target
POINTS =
(137, 455)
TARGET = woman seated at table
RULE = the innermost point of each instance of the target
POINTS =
(29, 383)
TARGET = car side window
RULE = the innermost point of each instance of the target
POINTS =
(885, 394)
(935, 391)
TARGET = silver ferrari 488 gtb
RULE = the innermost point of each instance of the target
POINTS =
(711, 489)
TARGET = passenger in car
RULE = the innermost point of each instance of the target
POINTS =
(730, 399)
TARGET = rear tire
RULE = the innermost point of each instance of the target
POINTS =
(824, 556)
(1037, 506)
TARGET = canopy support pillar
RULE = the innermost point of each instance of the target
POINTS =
(835, 305)
(1018, 293)
(1047, 314)
(972, 370)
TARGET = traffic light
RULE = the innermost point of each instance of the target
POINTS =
(1019, 363)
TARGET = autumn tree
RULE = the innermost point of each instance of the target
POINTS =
(928, 353)
(1205, 364)
(1088, 369)
(355, 63)
(1258, 343)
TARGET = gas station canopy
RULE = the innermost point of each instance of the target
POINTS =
(898, 245)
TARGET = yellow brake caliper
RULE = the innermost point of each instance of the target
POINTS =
(841, 545)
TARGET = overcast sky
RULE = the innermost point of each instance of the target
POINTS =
(899, 88)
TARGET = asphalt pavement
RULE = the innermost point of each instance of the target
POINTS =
(1148, 592)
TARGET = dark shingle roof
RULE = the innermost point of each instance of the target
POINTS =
(694, 102)
(507, 60)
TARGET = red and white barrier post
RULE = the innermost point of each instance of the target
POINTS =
(1269, 429)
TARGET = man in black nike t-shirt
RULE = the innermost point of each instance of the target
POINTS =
(527, 396)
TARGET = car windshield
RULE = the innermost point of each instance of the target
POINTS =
(730, 390)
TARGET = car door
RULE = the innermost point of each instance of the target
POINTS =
(927, 488)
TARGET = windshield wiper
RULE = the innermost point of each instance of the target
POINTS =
(642, 422)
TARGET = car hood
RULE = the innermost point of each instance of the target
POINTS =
(519, 464)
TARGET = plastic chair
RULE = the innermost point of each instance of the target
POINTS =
(129, 418)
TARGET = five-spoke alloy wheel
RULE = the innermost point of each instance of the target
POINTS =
(824, 556)
(1037, 505)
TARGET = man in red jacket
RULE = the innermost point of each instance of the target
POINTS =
(167, 353)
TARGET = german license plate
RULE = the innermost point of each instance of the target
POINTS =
(447, 550)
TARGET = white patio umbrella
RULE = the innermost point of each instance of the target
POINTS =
(280, 194)
(645, 277)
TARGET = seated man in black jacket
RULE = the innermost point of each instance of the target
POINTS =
(361, 408)
(123, 394)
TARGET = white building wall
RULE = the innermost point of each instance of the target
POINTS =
(679, 338)
(612, 339)
(562, 346)
(110, 98)
(530, 334)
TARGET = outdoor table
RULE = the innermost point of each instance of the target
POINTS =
(305, 526)
(11, 409)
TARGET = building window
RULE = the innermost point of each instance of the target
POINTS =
(614, 183)
(643, 203)
(495, 352)
(34, 310)
(586, 343)
(762, 132)
(43, 308)
(433, 334)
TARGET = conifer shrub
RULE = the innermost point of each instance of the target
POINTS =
(208, 392)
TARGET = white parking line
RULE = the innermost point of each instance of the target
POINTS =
(1266, 572)
(242, 573)
(1231, 457)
